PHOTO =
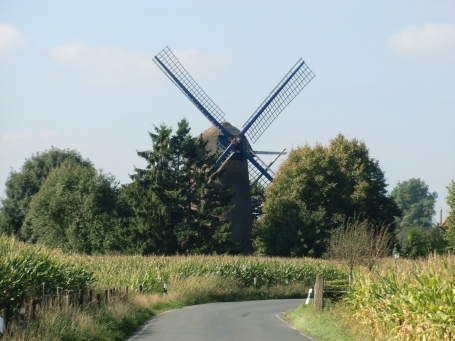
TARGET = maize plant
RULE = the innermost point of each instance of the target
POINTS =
(413, 301)
(24, 269)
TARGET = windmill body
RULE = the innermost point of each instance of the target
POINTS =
(236, 177)
(243, 164)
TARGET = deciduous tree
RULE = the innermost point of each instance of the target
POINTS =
(74, 210)
(416, 203)
(359, 242)
(314, 190)
(22, 185)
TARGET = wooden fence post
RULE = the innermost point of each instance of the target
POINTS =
(59, 297)
(33, 312)
(81, 298)
(67, 299)
(98, 299)
(44, 298)
(139, 288)
(318, 292)
(90, 296)
(22, 318)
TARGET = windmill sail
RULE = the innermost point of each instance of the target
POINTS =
(170, 65)
(289, 87)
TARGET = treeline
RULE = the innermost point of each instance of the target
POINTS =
(174, 205)
(319, 189)
(61, 200)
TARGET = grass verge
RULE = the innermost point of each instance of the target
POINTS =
(125, 314)
(334, 323)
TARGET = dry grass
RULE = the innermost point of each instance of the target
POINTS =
(89, 323)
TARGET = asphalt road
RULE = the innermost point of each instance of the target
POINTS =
(249, 321)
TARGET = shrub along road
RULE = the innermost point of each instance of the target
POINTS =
(251, 320)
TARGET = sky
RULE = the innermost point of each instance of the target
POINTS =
(80, 75)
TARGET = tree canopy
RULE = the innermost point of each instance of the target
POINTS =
(176, 202)
(22, 185)
(416, 202)
(315, 190)
(74, 210)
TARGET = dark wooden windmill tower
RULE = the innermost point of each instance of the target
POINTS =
(242, 162)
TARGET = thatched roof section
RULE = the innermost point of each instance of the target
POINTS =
(212, 133)
(211, 136)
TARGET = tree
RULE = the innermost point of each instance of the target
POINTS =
(416, 241)
(22, 185)
(359, 242)
(176, 203)
(74, 210)
(314, 190)
(416, 202)
(449, 234)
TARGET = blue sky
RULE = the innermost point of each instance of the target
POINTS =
(79, 75)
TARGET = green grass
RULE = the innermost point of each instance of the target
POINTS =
(331, 324)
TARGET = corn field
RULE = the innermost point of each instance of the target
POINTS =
(153, 271)
(24, 268)
(413, 301)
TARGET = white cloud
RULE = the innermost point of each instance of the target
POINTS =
(434, 41)
(14, 136)
(12, 140)
(104, 65)
(48, 134)
(10, 38)
(114, 65)
(201, 62)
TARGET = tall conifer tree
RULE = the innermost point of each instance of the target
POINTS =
(175, 202)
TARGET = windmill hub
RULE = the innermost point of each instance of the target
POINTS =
(218, 143)
(236, 140)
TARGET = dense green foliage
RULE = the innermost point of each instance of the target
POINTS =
(22, 185)
(24, 269)
(175, 199)
(416, 233)
(416, 241)
(414, 301)
(416, 202)
(449, 234)
(74, 210)
(314, 190)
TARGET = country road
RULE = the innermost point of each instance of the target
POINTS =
(249, 321)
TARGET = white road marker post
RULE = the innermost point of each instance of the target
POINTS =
(165, 290)
(1, 325)
(309, 295)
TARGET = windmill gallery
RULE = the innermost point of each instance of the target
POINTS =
(242, 164)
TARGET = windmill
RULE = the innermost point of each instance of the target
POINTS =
(234, 144)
